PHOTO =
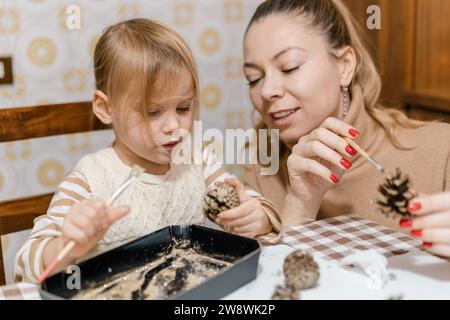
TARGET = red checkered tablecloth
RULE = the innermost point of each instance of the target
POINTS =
(20, 291)
(335, 238)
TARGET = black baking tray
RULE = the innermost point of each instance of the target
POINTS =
(242, 252)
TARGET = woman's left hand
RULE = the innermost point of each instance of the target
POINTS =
(431, 222)
(249, 219)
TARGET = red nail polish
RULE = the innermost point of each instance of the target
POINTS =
(427, 244)
(416, 233)
(414, 206)
(405, 223)
(350, 150)
(354, 133)
(346, 164)
(334, 179)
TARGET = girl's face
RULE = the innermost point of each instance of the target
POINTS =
(149, 140)
(294, 82)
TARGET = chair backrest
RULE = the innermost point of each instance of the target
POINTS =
(36, 122)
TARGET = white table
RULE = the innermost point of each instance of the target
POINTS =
(418, 275)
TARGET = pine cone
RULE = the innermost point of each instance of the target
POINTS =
(288, 293)
(396, 194)
(300, 270)
(220, 197)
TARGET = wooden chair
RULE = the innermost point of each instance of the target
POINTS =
(36, 122)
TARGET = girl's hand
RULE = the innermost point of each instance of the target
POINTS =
(248, 219)
(431, 222)
(317, 162)
(87, 222)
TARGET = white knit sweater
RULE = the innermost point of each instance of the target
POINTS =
(155, 202)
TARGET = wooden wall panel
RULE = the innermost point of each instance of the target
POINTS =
(391, 46)
(358, 8)
(397, 40)
(412, 52)
(432, 58)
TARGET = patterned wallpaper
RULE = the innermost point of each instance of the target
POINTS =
(52, 64)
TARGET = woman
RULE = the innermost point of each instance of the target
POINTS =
(311, 77)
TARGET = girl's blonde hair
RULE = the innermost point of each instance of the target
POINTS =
(133, 56)
(334, 20)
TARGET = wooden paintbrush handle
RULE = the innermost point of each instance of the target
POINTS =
(357, 147)
(67, 248)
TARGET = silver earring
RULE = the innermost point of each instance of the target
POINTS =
(346, 94)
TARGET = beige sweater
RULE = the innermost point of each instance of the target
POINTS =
(428, 166)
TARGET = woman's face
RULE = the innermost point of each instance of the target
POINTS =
(294, 81)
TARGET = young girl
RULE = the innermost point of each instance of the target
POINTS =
(147, 89)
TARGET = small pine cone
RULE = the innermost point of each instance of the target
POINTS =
(396, 194)
(285, 293)
(300, 270)
(220, 197)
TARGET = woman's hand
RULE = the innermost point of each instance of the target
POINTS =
(87, 222)
(249, 219)
(317, 162)
(431, 222)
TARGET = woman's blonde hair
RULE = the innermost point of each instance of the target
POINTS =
(336, 22)
(133, 56)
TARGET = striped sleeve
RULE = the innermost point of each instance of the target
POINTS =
(213, 171)
(29, 262)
